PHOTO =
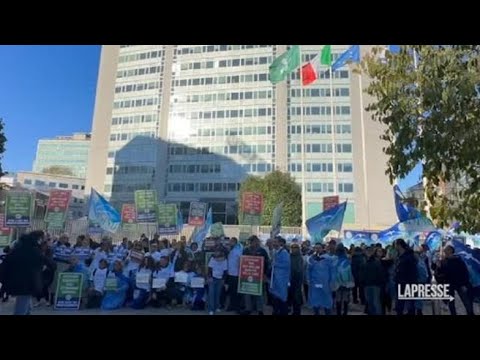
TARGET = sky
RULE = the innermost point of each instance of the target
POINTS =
(49, 90)
(45, 91)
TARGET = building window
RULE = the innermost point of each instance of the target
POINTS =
(39, 183)
(75, 187)
(63, 186)
(82, 187)
(52, 184)
(27, 182)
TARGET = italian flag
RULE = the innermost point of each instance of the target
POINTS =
(311, 70)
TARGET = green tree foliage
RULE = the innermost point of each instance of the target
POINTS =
(58, 170)
(277, 187)
(431, 115)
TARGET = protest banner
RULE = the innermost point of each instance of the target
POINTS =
(129, 218)
(5, 232)
(57, 208)
(69, 291)
(18, 209)
(167, 219)
(146, 206)
(252, 208)
(196, 215)
(250, 280)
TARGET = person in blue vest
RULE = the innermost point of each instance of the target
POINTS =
(116, 299)
(82, 250)
(280, 277)
(321, 281)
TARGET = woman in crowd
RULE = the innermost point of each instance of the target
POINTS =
(217, 273)
(163, 283)
(115, 298)
(143, 283)
(98, 280)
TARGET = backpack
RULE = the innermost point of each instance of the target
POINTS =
(422, 272)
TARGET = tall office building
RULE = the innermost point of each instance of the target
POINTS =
(192, 121)
(70, 152)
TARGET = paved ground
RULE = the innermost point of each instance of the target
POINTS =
(7, 309)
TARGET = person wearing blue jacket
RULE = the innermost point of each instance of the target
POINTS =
(280, 277)
(115, 299)
(321, 281)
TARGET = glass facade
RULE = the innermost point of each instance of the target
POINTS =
(69, 153)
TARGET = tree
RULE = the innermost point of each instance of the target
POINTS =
(58, 170)
(277, 187)
(3, 140)
(432, 116)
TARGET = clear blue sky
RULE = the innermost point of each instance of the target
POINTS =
(45, 91)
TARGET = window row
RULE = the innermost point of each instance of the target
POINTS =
(212, 48)
(140, 56)
(323, 92)
(139, 71)
(41, 183)
(233, 149)
(140, 169)
(320, 129)
(134, 119)
(247, 130)
(260, 167)
(138, 87)
(194, 169)
(203, 187)
(324, 74)
(233, 79)
(125, 104)
(321, 167)
(321, 148)
(220, 114)
(318, 110)
(128, 188)
(328, 187)
(247, 95)
(130, 136)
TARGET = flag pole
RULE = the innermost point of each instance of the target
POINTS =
(364, 155)
(302, 140)
(332, 124)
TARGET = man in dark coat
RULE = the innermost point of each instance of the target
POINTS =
(358, 260)
(297, 268)
(405, 274)
(23, 272)
(453, 271)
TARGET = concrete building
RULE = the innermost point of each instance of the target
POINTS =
(43, 183)
(70, 152)
(192, 121)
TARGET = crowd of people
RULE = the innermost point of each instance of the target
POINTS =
(156, 272)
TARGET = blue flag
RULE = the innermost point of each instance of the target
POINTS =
(394, 49)
(352, 54)
(201, 232)
(434, 240)
(102, 216)
(179, 221)
(404, 211)
(471, 258)
(359, 237)
(389, 235)
(332, 219)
